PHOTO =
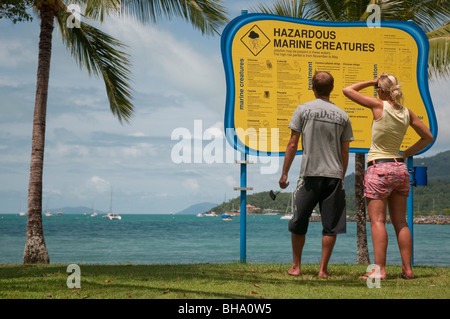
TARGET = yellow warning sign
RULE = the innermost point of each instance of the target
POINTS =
(270, 64)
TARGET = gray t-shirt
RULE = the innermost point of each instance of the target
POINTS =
(323, 126)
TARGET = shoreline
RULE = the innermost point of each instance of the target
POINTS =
(437, 220)
(428, 220)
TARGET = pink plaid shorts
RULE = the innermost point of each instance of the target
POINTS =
(382, 179)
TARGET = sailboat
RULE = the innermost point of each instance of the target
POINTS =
(225, 216)
(289, 215)
(210, 214)
(94, 213)
(47, 213)
(112, 215)
(22, 212)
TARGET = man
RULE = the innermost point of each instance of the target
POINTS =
(326, 135)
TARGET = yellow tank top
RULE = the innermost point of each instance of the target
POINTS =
(388, 132)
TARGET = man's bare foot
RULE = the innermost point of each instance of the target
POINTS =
(324, 274)
(295, 271)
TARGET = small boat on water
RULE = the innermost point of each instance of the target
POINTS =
(226, 217)
(94, 213)
(289, 215)
(210, 214)
(47, 212)
(112, 216)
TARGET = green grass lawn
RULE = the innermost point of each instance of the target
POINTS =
(216, 281)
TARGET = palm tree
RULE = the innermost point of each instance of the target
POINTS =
(431, 15)
(103, 56)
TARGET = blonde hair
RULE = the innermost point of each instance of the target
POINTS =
(390, 86)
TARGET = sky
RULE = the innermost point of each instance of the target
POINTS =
(179, 87)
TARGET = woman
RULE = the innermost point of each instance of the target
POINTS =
(386, 180)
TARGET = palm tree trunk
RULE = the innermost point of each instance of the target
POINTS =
(35, 248)
(362, 252)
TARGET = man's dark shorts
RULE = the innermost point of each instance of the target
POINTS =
(329, 193)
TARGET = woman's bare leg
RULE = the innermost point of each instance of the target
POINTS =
(397, 210)
(377, 214)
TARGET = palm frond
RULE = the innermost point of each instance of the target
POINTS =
(101, 55)
(439, 32)
(428, 14)
(291, 8)
(327, 10)
(209, 16)
(439, 55)
(98, 9)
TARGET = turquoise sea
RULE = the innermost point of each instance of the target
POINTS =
(175, 239)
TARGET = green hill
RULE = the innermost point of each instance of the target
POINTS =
(432, 199)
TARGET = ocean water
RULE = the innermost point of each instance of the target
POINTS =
(175, 239)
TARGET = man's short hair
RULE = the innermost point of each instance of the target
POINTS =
(323, 83)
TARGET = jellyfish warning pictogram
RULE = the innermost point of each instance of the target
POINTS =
(255, 40)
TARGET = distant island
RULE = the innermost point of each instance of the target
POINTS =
(199, 208)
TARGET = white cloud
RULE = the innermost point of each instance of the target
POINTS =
(62, 151)
(9, 83)
(168, 63)
(138, 134)
(441, 102)
(14, 52)
(191, 184)
(231, 181)
(99, 184)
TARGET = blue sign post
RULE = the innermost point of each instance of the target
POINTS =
(410, 203)
(243, 215)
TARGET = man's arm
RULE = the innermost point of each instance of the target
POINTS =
(345, 145)
(289, 156)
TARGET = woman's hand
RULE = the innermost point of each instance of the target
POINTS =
(376, 80)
